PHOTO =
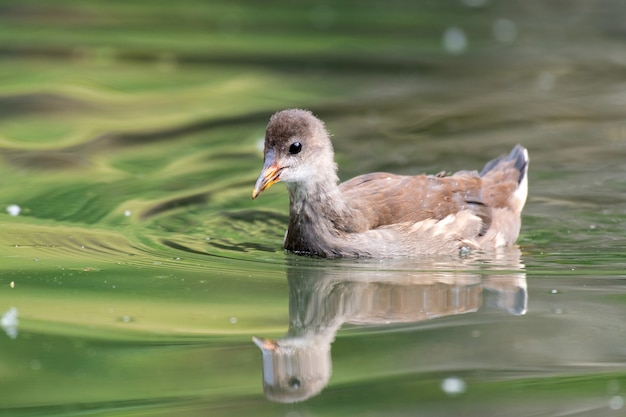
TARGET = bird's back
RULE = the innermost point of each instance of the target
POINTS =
(496, 196)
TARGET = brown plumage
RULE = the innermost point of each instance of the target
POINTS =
(387, 215)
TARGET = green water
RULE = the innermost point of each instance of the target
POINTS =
(140, 269)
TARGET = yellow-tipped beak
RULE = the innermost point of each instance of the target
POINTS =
(265, 344)
(269, 175)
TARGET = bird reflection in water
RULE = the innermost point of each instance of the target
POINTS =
(323, 297)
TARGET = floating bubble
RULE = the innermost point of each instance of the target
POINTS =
(14, 210)
(616, 402)
(453, 386)
(9, 322)
(454, 40)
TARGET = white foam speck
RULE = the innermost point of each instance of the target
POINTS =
(14, 210)
(9, 322)
(454, 40)
(453, 386)
(616, 402)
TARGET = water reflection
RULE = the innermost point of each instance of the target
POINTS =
(324, 297)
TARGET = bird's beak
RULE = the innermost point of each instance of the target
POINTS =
(269, 175)
(265, 344)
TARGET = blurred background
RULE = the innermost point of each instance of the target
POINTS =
(130, 99)
(139, 268)
(88, 88)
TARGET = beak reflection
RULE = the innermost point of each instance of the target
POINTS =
(321, 299)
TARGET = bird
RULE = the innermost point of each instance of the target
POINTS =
(384, 215)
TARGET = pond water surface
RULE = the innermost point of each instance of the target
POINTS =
(135, 270)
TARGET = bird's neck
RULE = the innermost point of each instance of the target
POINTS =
(314, 211)
(315, 198)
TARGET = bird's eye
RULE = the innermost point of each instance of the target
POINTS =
(295, 148)
(294, 382)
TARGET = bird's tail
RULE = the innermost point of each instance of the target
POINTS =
(508, 173)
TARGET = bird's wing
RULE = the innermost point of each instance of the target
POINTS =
(381, 199)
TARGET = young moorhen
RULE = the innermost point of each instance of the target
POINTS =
(387, 215)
